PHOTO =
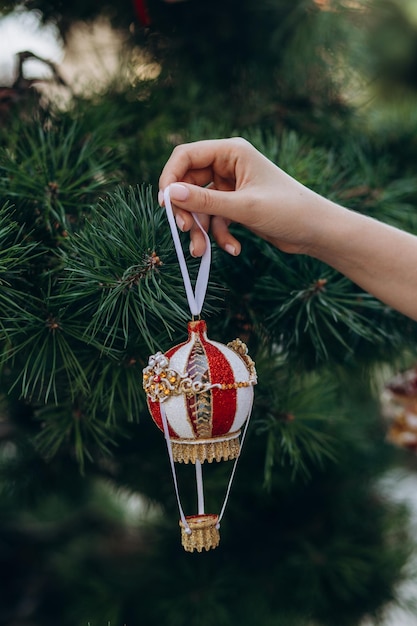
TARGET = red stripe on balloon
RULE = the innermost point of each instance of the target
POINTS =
(223, 400)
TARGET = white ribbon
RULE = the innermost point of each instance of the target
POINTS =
(232, 475)
(200, 490)
(195, 298)
(171, 460)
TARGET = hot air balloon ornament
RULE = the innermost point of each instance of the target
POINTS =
(200, 394)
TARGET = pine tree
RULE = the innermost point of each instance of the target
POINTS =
(90, 287)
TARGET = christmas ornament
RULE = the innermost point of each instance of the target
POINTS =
(200, 394)
(399, 407)
(206, 387)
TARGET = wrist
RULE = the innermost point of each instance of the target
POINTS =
(327, 229)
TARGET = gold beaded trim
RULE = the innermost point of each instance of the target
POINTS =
(160, 382)
(235, 385)
(238, 346)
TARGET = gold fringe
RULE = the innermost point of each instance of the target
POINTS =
(207, 450)
(204, 534)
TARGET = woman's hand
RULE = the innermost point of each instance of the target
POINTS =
(228, 180)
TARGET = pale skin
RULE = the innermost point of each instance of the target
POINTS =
(228, 180)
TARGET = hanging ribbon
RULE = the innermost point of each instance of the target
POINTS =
(195, 298)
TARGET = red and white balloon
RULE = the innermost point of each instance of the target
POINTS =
(207, 391)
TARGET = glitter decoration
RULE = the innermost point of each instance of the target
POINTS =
(207, 389)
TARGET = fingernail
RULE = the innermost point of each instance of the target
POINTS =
(180, 222)
(192, 249)
(178, 192)
(160, 197)
(230, 249)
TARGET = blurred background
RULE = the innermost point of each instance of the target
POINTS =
(320, 525)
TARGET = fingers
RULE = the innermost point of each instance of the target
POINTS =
(198, 243)
(184, 220)
(219, 206)
(220, 231)
(196, 162)
(218, 226)
(226, 241)
(184, 160)
(202, 178)
(187, 197)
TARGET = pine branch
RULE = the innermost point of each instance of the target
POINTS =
(114, 395)
(16, 251)
(83, 337)
(294, 414)
(121, 272)
(52, 170)
(315, 305)
(69, 425)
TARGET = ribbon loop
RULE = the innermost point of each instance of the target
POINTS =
(195, 298)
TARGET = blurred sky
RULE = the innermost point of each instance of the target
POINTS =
(20, 31)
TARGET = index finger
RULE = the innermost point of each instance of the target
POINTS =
(196, 162)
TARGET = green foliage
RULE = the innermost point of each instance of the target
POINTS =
(52, 171)
(121, 272)
(295, 416)
(393, 46)
(76, 349)
(63, 425)
(15, 252)
(90, 286)
(317, 306)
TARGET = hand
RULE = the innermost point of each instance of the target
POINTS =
(228, 180)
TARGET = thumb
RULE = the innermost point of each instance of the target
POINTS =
(203, 200)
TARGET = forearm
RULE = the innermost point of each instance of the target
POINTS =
(379, 258)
